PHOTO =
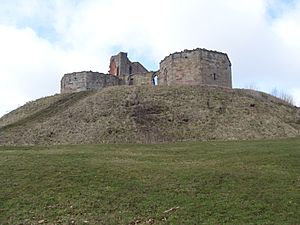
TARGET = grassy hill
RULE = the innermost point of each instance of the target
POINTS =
(232, 182)
(128, 114)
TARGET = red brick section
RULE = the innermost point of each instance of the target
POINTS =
(112, 68)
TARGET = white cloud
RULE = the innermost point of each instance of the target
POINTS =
(41, 40)
(24, 58)
(287, 27)
(31, 67)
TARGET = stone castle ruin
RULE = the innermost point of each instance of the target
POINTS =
(189, 67)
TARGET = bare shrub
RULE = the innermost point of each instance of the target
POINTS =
(283, 95)
(251, 86)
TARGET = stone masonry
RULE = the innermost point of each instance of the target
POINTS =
(87, 80)
(196, 67)
(120, 65)
(189, 67)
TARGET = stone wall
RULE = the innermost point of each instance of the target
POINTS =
(121, 66)
(141, 79)
(73, 82)
(138, 68)
(196, 67)
(189, 67)
(87, 80)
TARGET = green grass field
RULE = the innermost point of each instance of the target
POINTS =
(248, 182)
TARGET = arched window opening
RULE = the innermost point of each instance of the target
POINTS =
(155, 80)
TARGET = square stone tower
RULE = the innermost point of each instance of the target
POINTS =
(122, 67)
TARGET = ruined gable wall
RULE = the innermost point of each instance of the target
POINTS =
(196, 67)
(138, 68)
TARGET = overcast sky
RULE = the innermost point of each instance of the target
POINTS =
(41, 40)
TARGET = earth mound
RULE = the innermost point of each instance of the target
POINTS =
(128, 114)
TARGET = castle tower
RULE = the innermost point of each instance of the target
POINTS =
(119, 65)
(123, 68)
(196, 67)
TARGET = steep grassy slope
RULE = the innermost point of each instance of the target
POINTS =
(41, 108)
(232, 182)
(150, 114)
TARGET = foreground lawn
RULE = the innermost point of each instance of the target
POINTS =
(249, 182)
